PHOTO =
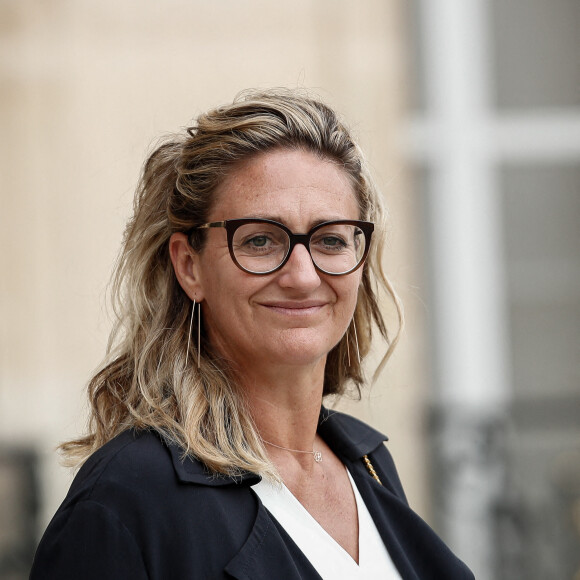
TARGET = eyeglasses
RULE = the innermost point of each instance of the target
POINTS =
(260, 246)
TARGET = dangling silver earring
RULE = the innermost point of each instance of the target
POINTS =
(198, 332)
(356, 342)
(347, 348)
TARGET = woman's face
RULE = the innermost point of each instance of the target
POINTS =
(293, 316)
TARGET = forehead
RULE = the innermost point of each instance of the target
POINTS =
(287, 185)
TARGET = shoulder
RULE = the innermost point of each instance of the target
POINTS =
(143, 497)
(131, 457)
(140, 467)
(144, 485)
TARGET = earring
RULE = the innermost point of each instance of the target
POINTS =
(356, 342)
(198, 332)
(347, 349)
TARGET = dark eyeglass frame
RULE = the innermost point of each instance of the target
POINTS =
(232, 225)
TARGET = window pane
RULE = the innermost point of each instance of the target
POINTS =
(537, 53)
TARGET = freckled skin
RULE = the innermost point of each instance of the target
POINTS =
(246, 316)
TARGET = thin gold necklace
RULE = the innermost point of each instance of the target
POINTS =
(316, 454)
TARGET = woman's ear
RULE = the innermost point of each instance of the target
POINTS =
(185, 262)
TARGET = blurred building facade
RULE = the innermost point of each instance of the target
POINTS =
(482, 400)
(495, 139)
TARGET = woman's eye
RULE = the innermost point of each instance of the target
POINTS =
(328, 243)
(333, 241)
(258, 241)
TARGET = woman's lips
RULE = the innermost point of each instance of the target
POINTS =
(295, 308)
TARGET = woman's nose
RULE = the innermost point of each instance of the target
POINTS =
(299, 270)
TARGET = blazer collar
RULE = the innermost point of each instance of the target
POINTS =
(348, 437)
(190, 470)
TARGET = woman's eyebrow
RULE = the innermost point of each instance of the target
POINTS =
(281, 220)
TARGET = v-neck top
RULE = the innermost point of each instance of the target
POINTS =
(327, 556)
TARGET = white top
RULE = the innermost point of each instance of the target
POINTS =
(329, 558)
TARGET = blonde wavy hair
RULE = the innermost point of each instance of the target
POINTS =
(148, 379)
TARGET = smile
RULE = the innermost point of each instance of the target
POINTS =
(296, 308)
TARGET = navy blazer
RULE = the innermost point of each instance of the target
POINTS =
(138, 509)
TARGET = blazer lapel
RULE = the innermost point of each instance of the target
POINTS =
(415, 549)
(268, 553)
(385, 508)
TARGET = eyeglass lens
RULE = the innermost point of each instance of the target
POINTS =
(262, 247)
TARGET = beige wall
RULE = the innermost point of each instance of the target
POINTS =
(85, 88)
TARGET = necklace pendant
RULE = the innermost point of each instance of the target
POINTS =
(317, 456)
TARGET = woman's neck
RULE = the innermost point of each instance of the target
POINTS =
(285, 405)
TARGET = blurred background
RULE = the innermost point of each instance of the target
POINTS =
(469, 112)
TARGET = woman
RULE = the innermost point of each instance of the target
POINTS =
(246, 292)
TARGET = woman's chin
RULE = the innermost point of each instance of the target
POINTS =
(299, 348)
